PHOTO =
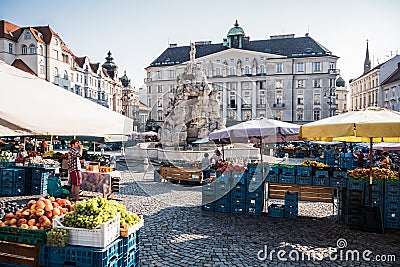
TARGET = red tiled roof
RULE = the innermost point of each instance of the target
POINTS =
(66, 49)
(80, 61)
(6, 28)
(47, 32)
(19, 64)
(94, 66)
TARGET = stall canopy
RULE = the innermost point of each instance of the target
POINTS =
(32, 106)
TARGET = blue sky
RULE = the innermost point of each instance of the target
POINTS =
(137, 32)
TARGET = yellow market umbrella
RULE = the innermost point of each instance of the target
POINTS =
(369, 125)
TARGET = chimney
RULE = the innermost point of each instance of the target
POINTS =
(173, 45)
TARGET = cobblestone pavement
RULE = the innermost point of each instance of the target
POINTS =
(178, 233)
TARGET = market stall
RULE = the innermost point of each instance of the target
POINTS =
(103, 182)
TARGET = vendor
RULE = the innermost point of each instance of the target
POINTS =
(216, 157)
(386, 162)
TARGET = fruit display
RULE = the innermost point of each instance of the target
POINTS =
(7, 207)
(377, 173)
(6, 156)
(90, 213)
(57, 237)
(38, 161)
(234, 168)
(38, 214)
(312, 163)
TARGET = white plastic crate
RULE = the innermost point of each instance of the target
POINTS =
(100, 237)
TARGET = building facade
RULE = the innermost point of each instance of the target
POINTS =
(372, 88)
(40, 51)
(284, 77)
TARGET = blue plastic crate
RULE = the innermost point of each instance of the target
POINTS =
(291, 215)
(306, 180)
(238, 208)
(338, 180)
(392, 213)
(239, 190)
(291, 196)
(255, 194)
(253, 210)
(254, 187)
(356, 184)
(274, 170)
(289, 171)
(222, 207)
(392, 206)
(272, 177)
(208, 207)
(321, 180)
(304, 170)
(239, 177)
(287, 179)
(321, 173)
(132, 242)
(224, 177)
(131, 259)
(80, 256)
(253, 169)
(236, 199)
(222, 189)
(391, 185)
(392, 223)
(291, 209)
(208, 189)
(277, 211)
(255, 178)
(391, 196)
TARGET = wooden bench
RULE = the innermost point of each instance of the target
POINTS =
(181, 174)
(306, 192)
(20, 254)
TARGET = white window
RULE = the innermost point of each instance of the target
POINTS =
(27, 35)
(56, 73)
(279, 68)
(261, 58)
(299, 115)
(300, 67)
(41, 68)
(332, 65)
(317, 66)
(247, 115)
(218, 61)
(247, 59)
(278, 97)
(279, 84)
(32, 49)
(172, 74)
(159, 89)
(232, 71)
(247, 70)
(262, 69)
(24, 49)
(217, 72)
(317, 114)
(10, 48)
(65, 75)
(160, 115)
(159, 74)
(159, 103)
(300, 99)
(317, 99)
(317, 83)
(232, 60)
(55, 52)
(300, 83)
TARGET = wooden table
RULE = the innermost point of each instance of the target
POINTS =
(181, 174)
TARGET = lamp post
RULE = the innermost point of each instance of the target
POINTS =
(330, 95)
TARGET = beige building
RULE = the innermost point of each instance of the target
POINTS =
(40, 51)
(284, 77)
(368, 90)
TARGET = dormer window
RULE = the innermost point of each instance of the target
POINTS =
(27, 35)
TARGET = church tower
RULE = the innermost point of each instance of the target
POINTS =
(367, 62)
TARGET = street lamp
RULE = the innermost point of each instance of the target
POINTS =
(330, 95)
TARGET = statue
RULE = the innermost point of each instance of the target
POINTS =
(192, 52)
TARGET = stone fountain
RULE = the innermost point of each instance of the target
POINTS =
(193, 110)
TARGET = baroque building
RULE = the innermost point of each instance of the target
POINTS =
(283, 77)
(41, 52)
(377, 86)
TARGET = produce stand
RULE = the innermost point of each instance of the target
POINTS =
(181, 174)
(103, 182)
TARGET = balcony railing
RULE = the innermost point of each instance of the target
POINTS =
(146, 80)
(334, 71)
(279, 105)
(261, 105)
(246, 106)
(232, 106)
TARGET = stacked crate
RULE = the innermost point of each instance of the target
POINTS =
(254, 194)
(223, 194)
(304, 175)
(273, 174)
(38, 180)
(329, 158)
(321, 177)
(377, 197)
(391, 214)
(12, 182)
(339, 178)
(288, 175)
(291, 205)
(208, 197)
(276, 210)
(352, 202)
(238, 193)
(346, 161)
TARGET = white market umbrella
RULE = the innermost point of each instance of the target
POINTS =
(41, 108)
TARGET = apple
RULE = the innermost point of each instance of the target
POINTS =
(46, 222)
(56, 211)
(13, 221)
(39, 212)
(33, 207)
(40, 204)
(32, 222)
(9, 216)
(26, 213)
(33, 227)
(55, 204)
(21, 221)
(48, 207)
(48, 214)
(2, 223)
(31, 202)
(24, 225)
(52, 199)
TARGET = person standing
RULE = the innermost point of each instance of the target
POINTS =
(44, 145)
(74, 167)
(216, 157)
(205, 167)
(386, 162)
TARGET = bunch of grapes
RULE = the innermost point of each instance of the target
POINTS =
(127, 217)
(57, 237)
(90, 213)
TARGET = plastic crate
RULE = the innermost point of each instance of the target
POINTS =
(306, 180)
(254, 169)
(81, 256)
(239, 190)
(255, 194)
(131, 242)
(99, 237)
(130, 259)
(321, 180)
(277, 211)
(6, 164)
(239, 178)
(392, 185)
(393, 206)
(224, 207)
(222, 189)
(224, 177)
(253, 187)
(304, 171)
(238, 208)
(291, 215)
(392, 223)
(392, 196)
(289, 170)
(338, 180)
(24, 236)
(209, 189)
(208, 206)
(255, 178)
(253, 210)
(272, 177)
(356, 184)
(287, 179)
